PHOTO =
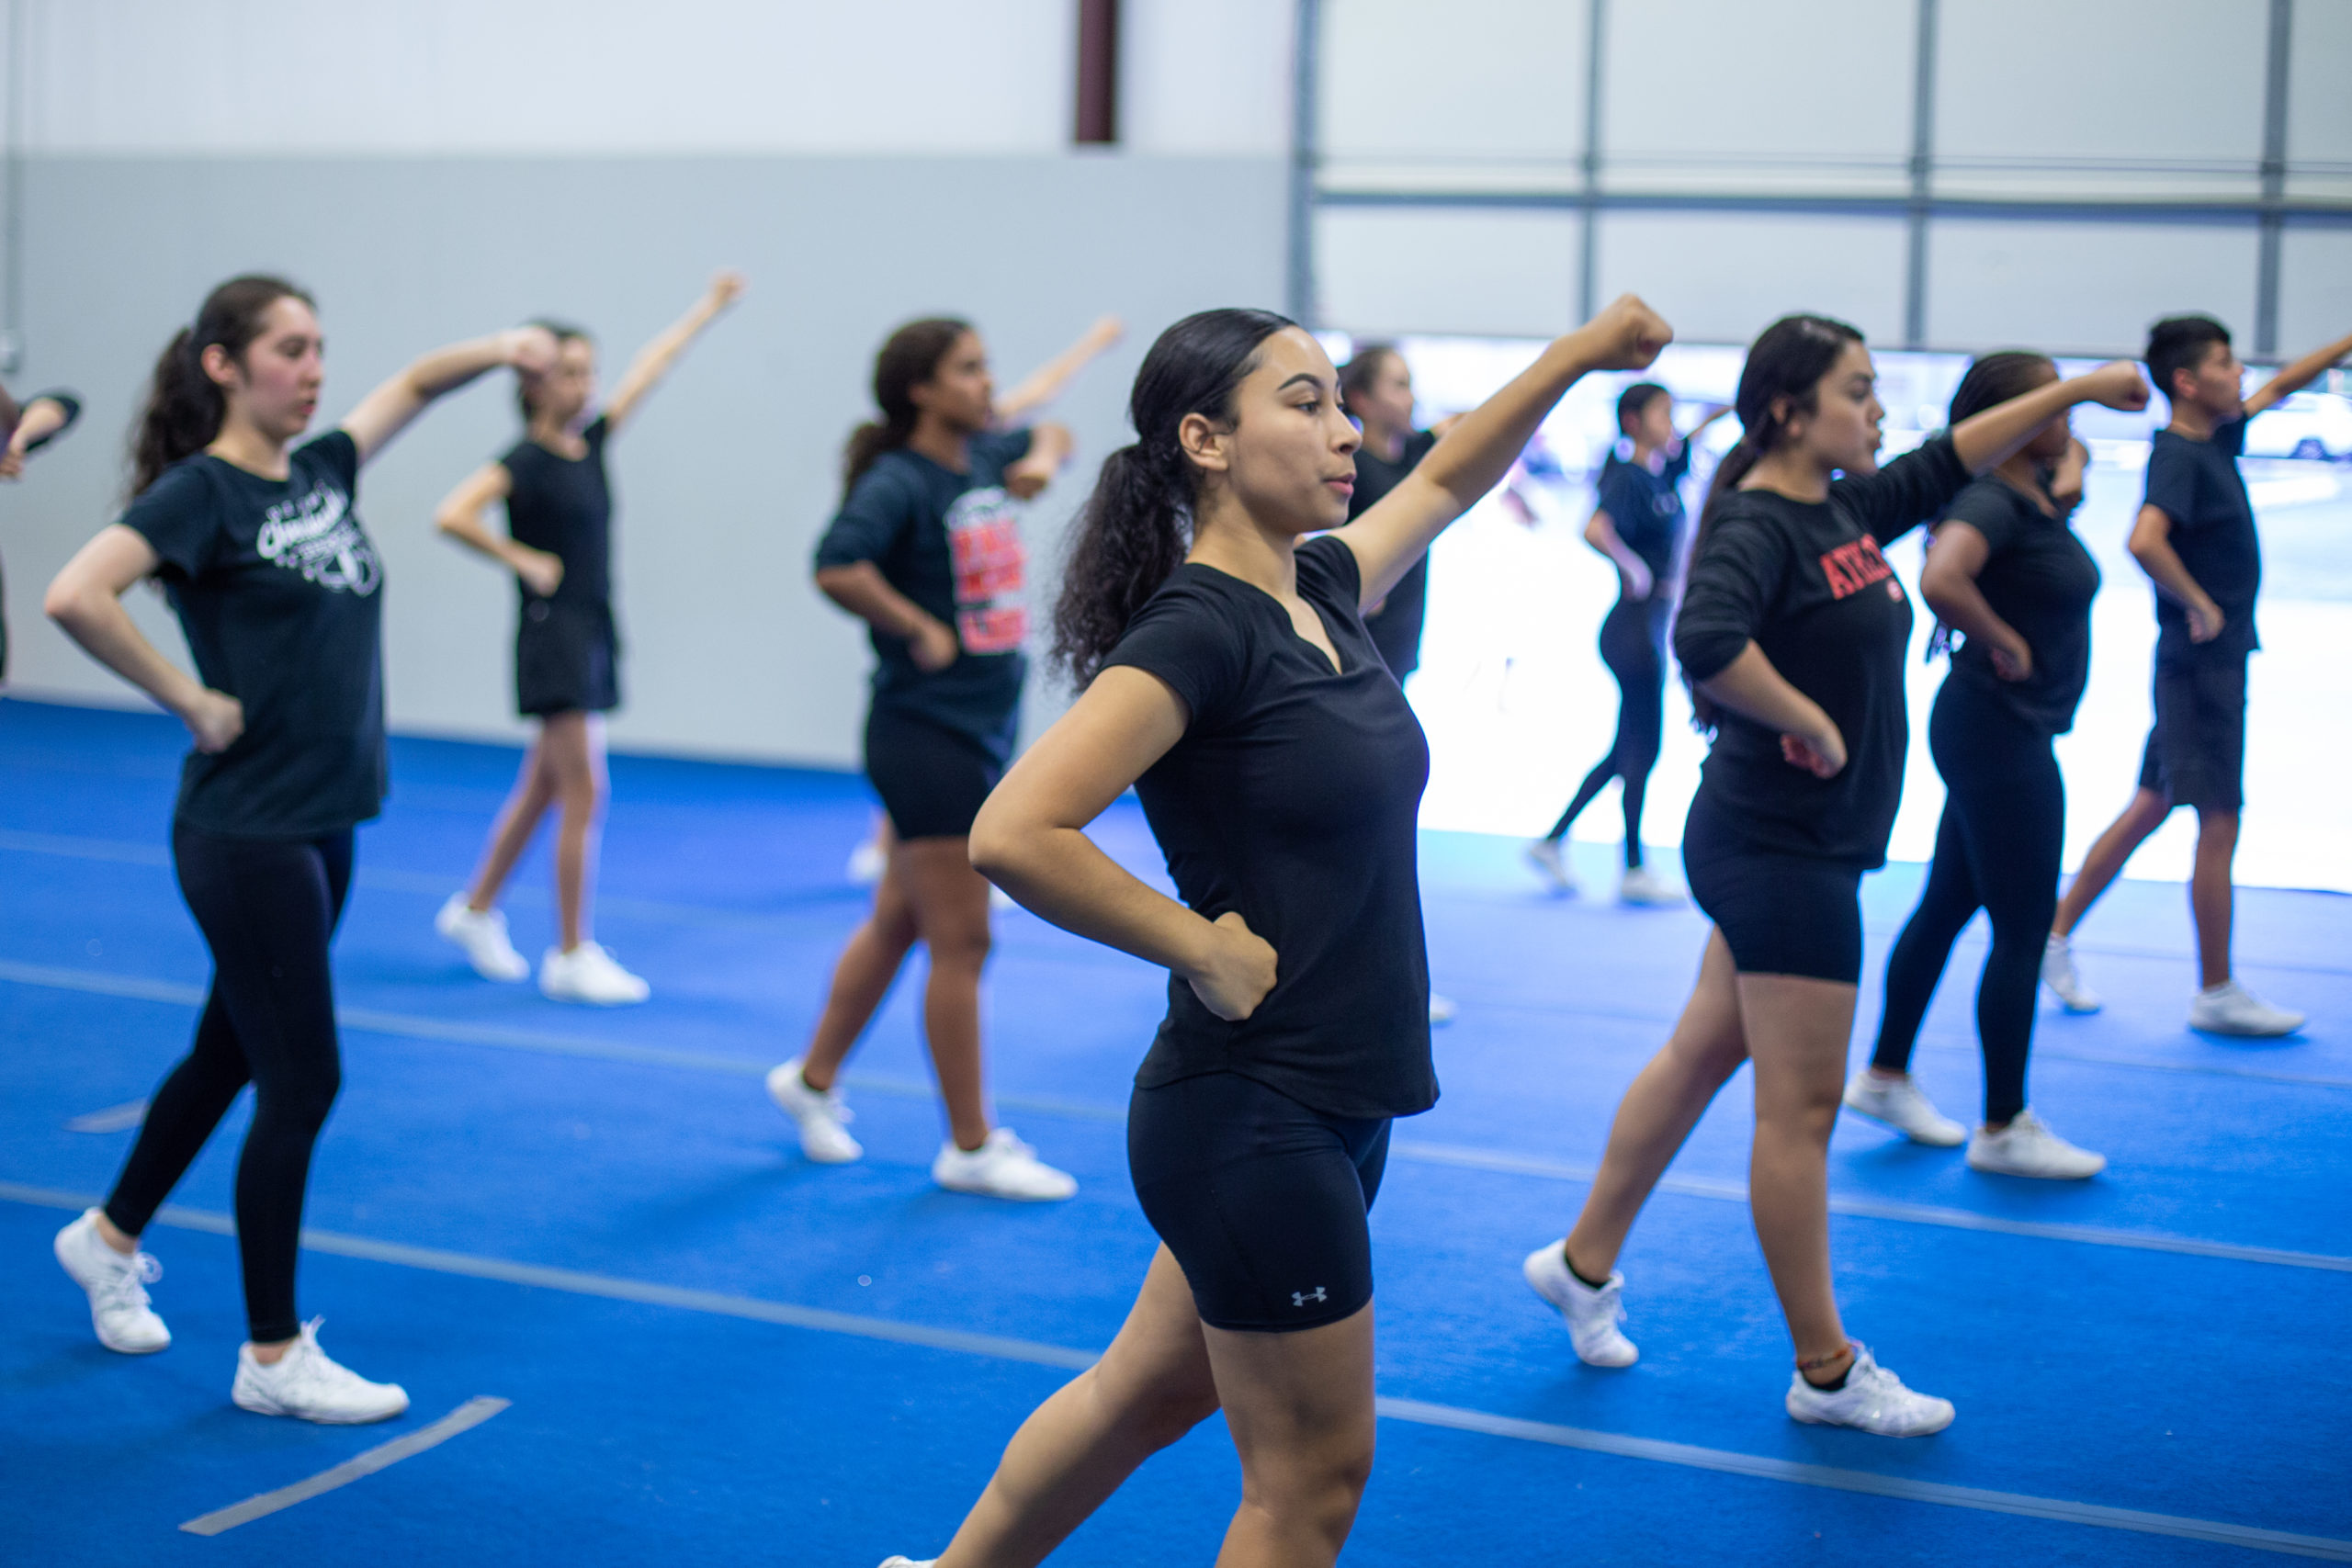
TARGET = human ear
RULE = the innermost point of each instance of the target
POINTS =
(220, 367)
(1204, 443)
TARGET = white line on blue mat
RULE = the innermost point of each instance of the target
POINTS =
(472, 1413)
(113, 1118)
(1415, 1411)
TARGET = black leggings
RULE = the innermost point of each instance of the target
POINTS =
(1632, 644)
(2003, 828)
(267, 908)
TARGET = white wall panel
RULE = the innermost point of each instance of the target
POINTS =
(2314, 288)
(2319, 109)
(1508, 274)
(1205, 77)
(2087, 288)
(1724, 279)
(2085, 98)
(1719, 94)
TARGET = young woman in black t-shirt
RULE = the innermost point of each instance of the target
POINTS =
(278, 588)
(926, 548)
(558, 546)
(1230, 679)
(2006, 572)
(1791, 632)
(1637, 523)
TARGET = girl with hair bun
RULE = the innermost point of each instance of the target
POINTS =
(1228, 676)
(2006, 572)
(1792, 634)
(280, 592)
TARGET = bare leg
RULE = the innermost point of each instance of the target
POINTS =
(2210, 895)
(2105, 863)
(862, 975)
(1797, 1034)
(518, 821)
(1664, 1104)
(1300, 1408)
(574, 747)
(1153, 1385)
(951, 910)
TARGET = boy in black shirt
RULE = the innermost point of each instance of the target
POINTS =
(2195, 537)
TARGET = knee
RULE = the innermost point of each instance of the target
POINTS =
(1320, 1488)
(959, 946)
(2217, 831)
(302, 1100)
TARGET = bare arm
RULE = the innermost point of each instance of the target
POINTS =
(1955, 557)
(1030, 840)
(459, 518)
(85, 599)
(1986, 441)
(386, 412)
(1043, 384)
(862, 590)
(1471, 458)
(42, 418)
(1600, 533)
(2293, 378)
(2151, 546)
(1049, 447)
(656, 358)
(1693, 432)
(1751, 687)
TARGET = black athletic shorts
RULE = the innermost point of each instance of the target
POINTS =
(2197, 751)
(931, 779)
(1263, 1201)
(567, 658)
(1780, 914)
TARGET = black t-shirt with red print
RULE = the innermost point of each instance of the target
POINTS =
(281, 593)
(1807, 582)
(951, 542)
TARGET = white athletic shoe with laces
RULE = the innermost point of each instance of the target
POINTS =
(1901, 1104)
(1872, 1399)
(819, 1113)
(117, 1287)
(1593, 1315)
(2058, 974)
(2027, 1147)
(481, 934)
(588, 973)
(1545, 855)
(1442, 1008)
(1003, 1167)
(1641, 886)
(2230, 1008)
(309, 1383)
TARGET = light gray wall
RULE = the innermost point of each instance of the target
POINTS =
(729, 474)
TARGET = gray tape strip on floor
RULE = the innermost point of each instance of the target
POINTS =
(471, 1414)
(1419, 1411)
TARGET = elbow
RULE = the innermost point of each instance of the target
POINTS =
(67, 602)
(452, 524)
(995, 844)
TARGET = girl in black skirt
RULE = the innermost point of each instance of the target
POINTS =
(558, 546)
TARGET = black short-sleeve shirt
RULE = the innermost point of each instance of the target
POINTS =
(2197, 486)
(1396, 626)
(1292, 799)
(281, 593)
(2039, 579)
(1807, 583)
(564, 506)
(1645, 506)
(952, 543)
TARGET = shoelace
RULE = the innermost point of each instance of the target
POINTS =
(127, 1286)
(308, 1369)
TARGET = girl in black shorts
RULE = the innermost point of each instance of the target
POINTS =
(1229, 678)
(279, 590)
(1791, 632)
(2006, 572)
(927, 550)
(558, 546)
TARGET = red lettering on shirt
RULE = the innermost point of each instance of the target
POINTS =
(1854, 566)
(985, 548)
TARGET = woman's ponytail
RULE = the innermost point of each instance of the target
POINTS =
(908, 357)
(185, 406)
(1135, 527)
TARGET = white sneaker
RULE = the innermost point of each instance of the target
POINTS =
(1443, 1009)
(1641, 885)
(2058, 974)
(819, 1112)
(308, 1382)
(1873, 1400)
(587, 973)
(1901, 1104)
(2025, 1148)
(866, 863)
(1549, 864)
(909, 1563)
(482, 934)
(1004, 1167)
(117, 1287)
(2230, 1008)
(1593, 1315)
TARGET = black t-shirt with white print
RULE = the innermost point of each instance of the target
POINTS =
(1807, 583)
(950, 541)
(1292, 797)
(281, 593)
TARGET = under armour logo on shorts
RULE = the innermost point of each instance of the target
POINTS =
(1298, 1300)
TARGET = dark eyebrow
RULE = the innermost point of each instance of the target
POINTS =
(1307, 376)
